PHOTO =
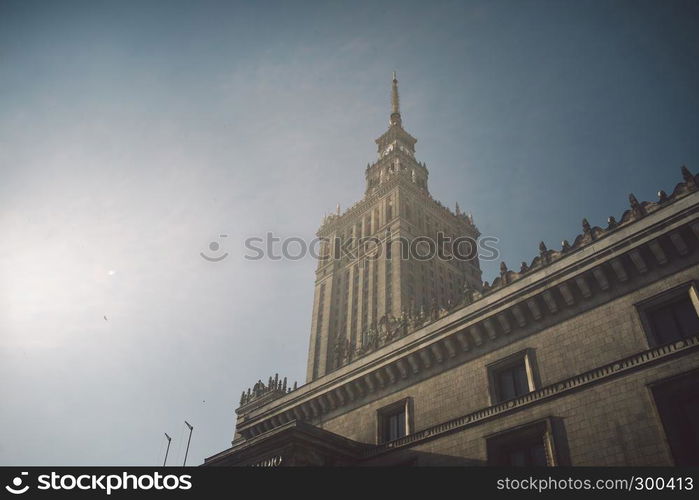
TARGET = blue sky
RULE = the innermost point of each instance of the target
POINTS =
(132, 134)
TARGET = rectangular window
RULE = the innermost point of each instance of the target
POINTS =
(671, 315)
(355, 298)
(527, 454)
(394, 425)
(512, 381)
(319, 329)
(677, 401)
(394, 421)
(512, 377)
(389, 246)
(526, 446)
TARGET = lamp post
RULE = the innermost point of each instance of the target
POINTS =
(191, 428)
(168, 448)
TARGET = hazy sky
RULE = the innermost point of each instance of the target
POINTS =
(132, 134)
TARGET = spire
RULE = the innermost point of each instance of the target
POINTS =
(395, 138)
(395, 104)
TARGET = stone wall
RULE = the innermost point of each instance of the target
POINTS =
(618, 413)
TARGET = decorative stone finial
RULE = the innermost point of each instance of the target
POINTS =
(565, 246)
(503, 273)
(586, 226)
(633, 201)
(611, 222)
(468, 294)
(636, 207)
(688, 177)
(544, 253)
(662, 196)
(524, 267)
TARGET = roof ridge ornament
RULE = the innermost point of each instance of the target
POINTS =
(636, 208)
(688, 177)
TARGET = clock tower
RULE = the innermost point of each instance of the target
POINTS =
(381, 268)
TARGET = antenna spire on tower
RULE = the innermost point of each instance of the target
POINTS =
(395, 103)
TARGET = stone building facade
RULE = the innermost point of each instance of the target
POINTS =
(587, 355)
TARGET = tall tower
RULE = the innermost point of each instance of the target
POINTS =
(378, 263)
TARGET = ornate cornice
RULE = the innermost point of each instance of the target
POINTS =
(638, 210)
